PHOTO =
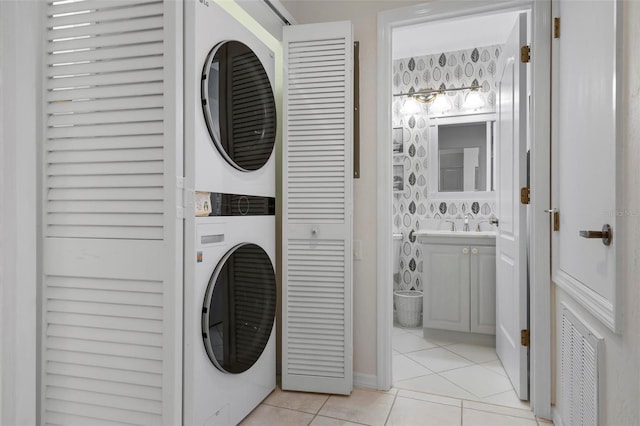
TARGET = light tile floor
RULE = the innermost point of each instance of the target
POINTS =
(436, 384)
(456, 370)
(398, 407)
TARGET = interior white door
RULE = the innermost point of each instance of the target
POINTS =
(317, 337)
(587, 154)
(511, 268)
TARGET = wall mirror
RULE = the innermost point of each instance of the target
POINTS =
(461, 155)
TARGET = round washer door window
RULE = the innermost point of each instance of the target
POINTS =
(239, 308)
(238, 105)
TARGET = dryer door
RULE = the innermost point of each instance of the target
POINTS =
(239, 308)
(238, 105)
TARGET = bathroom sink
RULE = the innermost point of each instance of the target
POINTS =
(454, 234)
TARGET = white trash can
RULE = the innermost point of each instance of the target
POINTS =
(408, 307)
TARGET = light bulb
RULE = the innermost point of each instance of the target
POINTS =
(410, 107)
(440, 105)
(473, 100)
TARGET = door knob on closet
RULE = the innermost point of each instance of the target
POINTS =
(606, 234)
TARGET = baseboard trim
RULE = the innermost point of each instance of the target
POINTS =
(555, 416)
(367, 381)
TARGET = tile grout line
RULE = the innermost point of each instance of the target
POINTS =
(505, 415)
(395, 397)
(319, 409)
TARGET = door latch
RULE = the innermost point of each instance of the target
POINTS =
(556, 218)
(524, 337)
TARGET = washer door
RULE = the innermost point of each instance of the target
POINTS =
(238, 105)
(239, 308)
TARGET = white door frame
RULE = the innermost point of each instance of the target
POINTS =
(539, 248)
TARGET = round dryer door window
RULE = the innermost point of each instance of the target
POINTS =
(239, 308)
(238, 105)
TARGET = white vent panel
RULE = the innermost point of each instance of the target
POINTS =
(579, 371)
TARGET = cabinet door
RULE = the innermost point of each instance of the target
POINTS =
(483, 290)
(446, 287)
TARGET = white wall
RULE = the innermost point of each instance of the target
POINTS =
(622, 351)
(364, 15)
(19, 85)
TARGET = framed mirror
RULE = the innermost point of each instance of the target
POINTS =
(461, 156)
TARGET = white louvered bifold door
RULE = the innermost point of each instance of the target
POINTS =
(112, 239)
(317, 321)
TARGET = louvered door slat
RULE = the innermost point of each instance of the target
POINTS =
(106, 309)
(104, 156)
(317, 336)
(105, 79)
(58, 8)
(97, 412)
(104, 13)
(73, 420)
(129, 103)
(106, 194)
(114, 91)
(117, 181)
(112, 65)
(111, 153)
(125, 219)
(105, 41)
(107, 361)
(149, 49)
(103, 28)
(105, 348)
(99, 130)
(105, 206)
(125, 403)
(101, 321)
(91, 385)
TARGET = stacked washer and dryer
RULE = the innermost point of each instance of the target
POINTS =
(230, 288)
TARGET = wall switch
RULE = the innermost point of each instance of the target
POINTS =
(357, 249)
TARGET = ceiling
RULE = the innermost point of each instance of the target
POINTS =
(448, 36)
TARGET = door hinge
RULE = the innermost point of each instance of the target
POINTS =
(556, 27)
(556, 221)
(525, 195)
(525, 54)
(524, 337)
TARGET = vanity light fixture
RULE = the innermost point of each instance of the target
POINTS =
(429, 95)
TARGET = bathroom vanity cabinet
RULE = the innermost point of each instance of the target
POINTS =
(460, 283)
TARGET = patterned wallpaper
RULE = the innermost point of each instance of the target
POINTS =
(411, 203)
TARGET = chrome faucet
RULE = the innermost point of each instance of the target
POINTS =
(465, 228)
(480, 223)
(453, 225)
